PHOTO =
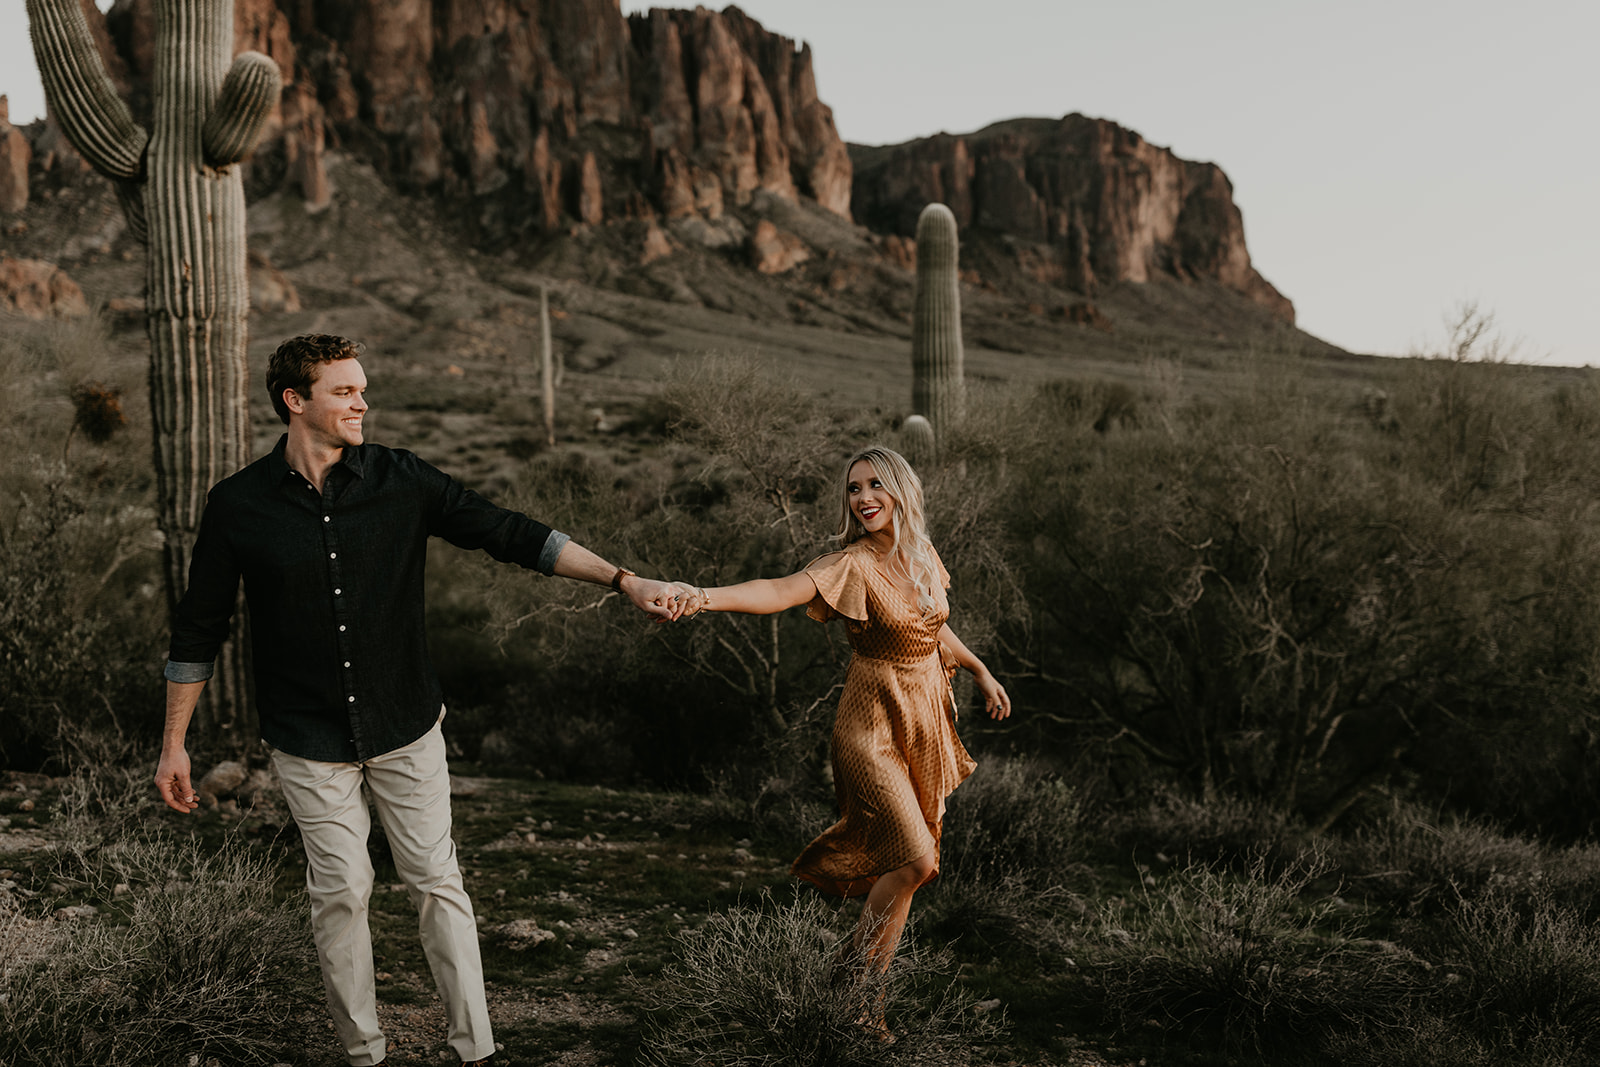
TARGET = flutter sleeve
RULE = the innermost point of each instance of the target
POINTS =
(841, 587)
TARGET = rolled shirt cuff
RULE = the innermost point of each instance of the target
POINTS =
(185, 673)
(552, 551)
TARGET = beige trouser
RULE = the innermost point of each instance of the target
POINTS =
(411, 790)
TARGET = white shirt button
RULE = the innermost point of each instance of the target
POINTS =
(327, 518)
(341, 629)
(347, 663)
(333, 555)
(338, 592)
(352, 700)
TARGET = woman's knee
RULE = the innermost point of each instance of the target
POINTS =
(914, 874)
(922, 869)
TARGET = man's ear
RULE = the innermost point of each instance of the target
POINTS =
(292, 401)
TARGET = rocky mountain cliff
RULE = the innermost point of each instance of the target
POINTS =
(525, 118)
(677, 157)
(1084, 201)
(537, 113)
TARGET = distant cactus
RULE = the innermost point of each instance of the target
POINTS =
(937, 388)
(917, 442)
(184, 197)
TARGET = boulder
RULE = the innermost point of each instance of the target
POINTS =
(39, 290)
(270, 288)
(774, 251)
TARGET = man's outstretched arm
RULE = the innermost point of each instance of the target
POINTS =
(648, 595)
(172, 772)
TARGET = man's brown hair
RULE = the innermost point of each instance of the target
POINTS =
(297, 362)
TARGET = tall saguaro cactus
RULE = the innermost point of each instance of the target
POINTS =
(938, 390)
(181, 189)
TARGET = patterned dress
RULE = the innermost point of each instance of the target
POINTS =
(896, 755)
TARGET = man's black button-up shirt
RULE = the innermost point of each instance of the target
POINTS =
(334, 581)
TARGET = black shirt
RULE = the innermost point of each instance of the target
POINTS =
(334, 582)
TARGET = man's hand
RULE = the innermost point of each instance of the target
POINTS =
(172, 779)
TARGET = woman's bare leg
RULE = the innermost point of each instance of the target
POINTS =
(883, 917)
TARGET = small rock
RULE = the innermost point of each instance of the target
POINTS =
(984, 1007)
(26, 805)
(221, 781)
(531, 838)
(631, 934)
(76, 911)
(546, 826)
(121, 889)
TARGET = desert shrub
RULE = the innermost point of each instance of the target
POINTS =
(1013, 815)
(1012, 844)
(763, 986)
(1518, 976)
(1246, 960)
(1430, 1041)
(1171, 827)
(80, 592)
(205, 965)
(1423, 864)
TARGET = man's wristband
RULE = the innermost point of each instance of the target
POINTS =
(616, 579)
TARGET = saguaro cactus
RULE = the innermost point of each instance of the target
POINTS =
(182, 192)
(937, 388)
(917, 441)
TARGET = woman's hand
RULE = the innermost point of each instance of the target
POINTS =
(995, 700)
(690, 599)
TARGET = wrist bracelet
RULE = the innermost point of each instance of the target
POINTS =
(616, 579)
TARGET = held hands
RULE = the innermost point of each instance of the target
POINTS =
(654, 598)
(681, 600)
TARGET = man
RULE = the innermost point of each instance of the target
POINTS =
(330, 536)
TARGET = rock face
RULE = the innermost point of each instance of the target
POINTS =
(1084, 201)
(535, 112)
(15, 154)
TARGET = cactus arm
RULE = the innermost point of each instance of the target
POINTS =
(81, 96)
(249, 93)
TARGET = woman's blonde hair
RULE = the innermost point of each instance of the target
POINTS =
(908, 522)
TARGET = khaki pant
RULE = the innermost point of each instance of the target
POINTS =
(411, 789)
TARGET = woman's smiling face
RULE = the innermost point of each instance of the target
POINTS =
(869, 500)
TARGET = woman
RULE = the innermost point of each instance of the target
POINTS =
(896, 755)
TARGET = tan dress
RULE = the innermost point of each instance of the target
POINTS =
(896, 755)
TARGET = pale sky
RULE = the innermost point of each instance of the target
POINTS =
(1392, 158)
